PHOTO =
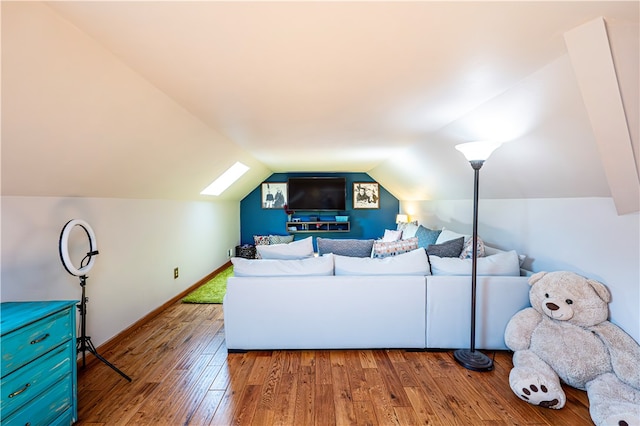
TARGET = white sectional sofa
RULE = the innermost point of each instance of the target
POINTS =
(339, 302)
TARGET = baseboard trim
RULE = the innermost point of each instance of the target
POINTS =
(111, 343)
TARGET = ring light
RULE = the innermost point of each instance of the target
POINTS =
(83, 342)
(64, 248)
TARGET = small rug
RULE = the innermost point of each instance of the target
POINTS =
(212, 291)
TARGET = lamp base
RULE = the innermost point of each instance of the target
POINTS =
(473, 360)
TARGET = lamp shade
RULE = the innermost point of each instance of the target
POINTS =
(402, 218)
(478, 151)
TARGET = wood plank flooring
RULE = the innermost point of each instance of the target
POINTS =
(182, 375)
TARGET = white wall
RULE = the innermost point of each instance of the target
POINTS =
(583, 235)
(140, 242)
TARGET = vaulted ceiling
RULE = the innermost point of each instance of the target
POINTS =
(155, 99)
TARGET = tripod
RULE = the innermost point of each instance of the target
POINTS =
(83, 343)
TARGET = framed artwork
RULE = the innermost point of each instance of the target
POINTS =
(366, 195)
(274, 195)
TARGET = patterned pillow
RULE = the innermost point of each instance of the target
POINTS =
(345, 247)
(408, 229)
(426, 236)
(280, 239)
(261, 240)
(403, 225)
(467, 250)
(392, 248)
(451, 248)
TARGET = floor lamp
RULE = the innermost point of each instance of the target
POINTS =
(476, 153)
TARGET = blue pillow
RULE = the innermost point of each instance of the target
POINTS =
(426, 236)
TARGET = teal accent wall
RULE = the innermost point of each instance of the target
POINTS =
(365, 223)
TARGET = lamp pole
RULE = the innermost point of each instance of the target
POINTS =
(476, 153)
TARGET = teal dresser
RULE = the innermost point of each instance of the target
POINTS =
(38, 344)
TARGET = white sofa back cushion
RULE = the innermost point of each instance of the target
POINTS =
(505, 263)
(411, 263)
(294, 250)
(322, 265)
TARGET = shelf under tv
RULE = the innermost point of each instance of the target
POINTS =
(318, 226)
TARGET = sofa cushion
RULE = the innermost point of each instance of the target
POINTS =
(451, 248)
(393, 248)
(322, 265)
(410, 263)
(345, 247)
(488, 251)
(294, 250)
(505, 263)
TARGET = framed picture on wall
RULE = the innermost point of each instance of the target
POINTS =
(274, 195)
(366, 195)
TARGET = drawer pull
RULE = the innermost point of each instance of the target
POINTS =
(19, 391)
(39, 339)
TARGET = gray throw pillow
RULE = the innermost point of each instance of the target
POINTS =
(345, 247)
(451, 248)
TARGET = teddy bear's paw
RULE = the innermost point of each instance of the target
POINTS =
(538, 395)
(536, 392)
(627, 419)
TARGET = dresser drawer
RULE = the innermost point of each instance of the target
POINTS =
(46, 408)
(26, 383)
(26, 344)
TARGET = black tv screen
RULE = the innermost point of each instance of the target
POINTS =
(317, 193)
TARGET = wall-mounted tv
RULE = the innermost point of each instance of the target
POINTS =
(317, 193)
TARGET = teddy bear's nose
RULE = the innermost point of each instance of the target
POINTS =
(552, 306)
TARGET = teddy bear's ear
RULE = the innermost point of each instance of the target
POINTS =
(601, 290)
(536, 277)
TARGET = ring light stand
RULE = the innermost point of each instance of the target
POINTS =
(83, 343)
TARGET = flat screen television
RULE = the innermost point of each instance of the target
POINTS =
(317, 193)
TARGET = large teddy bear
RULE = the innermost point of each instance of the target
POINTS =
(565, 336)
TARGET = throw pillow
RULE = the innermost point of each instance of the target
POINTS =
(294, 250)
(447, 235)
(261, 240)
(409, 230)
(391, 235)
(280, 239)
(403, 225)
(467, 250)
(426, 236)
(451, 248)
(345, 247)
(393, 248)
(414, 262)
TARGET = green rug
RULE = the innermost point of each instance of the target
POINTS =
(212, 291)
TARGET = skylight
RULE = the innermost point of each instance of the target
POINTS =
(225, 180)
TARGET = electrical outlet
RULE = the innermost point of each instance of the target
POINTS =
(176, 273)
(229, 253)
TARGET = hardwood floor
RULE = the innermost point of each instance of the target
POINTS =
(182, 375)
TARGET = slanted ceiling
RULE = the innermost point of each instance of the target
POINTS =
(155, 99)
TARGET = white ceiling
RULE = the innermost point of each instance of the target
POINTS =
(154, 99)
